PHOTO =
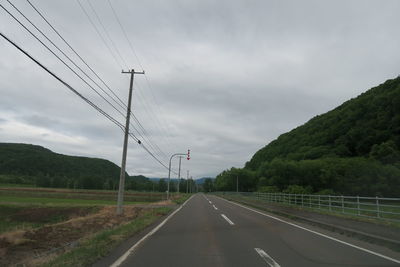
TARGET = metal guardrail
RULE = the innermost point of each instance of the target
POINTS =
(372, 207)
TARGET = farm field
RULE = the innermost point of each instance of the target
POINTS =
(129, 196)
(39, 225)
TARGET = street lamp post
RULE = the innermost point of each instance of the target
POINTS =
(179, 173)
(169, 169)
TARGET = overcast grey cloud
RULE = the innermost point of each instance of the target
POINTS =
(224, 78)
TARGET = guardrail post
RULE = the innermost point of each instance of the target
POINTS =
(342, 204)
(302, 200)
(377, 207)
(358, 205)
(329, 200)
(319, 201)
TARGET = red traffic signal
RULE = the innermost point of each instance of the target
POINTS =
(188, 154)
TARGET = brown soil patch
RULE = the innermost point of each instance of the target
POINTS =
(48, 214)
(25, 247)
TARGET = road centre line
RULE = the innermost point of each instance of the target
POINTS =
(215, 207)
(227, 219)
(210, 202)
(121, 259)
(267, 258)
(317, 233)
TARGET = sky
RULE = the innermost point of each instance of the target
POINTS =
(223, 78)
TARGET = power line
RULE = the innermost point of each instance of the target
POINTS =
(152, 115)
(98, 32)
(88, 101)
(151, 154)
(137, 58)
(154, 147)
(124, 32)
(62, 52)
(69, 67)
(65, 84)
(76, 53)
(106, 32)
(118, 124)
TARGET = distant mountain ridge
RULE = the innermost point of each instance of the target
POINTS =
(33, 164)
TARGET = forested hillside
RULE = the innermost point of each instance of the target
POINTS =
(36, 165)
(353, 149)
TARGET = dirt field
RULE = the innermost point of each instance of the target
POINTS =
(34, 246)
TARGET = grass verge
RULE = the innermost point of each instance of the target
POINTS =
(99, 245)
(182, 198)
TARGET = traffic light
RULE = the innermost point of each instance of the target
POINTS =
(188, 154)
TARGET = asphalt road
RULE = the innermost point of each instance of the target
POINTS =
(209, 231)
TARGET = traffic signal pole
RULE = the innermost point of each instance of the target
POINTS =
(169, 169)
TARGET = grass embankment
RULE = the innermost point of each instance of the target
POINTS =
(180, 199)
(102, 243)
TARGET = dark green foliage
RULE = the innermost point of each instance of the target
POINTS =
(208, 185)
(226, 181)
(35, 165)
(353, 149)
(162, 185)
(350, 130)
(298, 189)
(268, 189)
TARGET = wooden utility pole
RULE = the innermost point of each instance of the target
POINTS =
(121, 188)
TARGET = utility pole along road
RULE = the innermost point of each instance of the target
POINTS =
(210, 231)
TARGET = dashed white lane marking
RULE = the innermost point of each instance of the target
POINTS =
(129, 251)
(210, 202)
(317, 233)
(215, 207)
(227, 219)
(267, 258)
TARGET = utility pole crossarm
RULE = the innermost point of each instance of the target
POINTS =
(133, 71)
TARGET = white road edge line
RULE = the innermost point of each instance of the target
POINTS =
(317, 233)
(121, 259)
(215, 207)
(267, 258)
(227, 219)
